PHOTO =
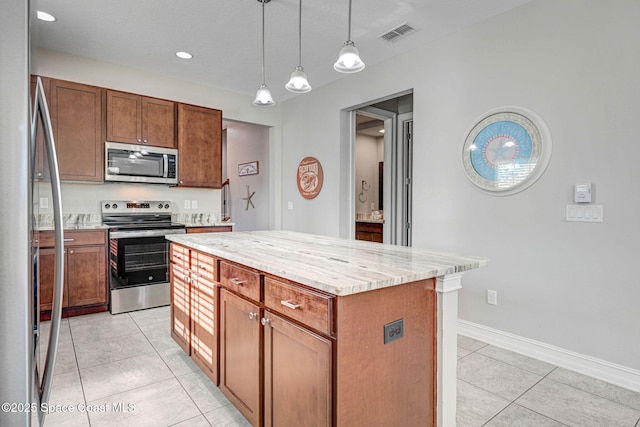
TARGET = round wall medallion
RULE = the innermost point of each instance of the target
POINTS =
(309, 177)
(506, 151)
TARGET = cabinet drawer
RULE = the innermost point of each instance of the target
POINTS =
(180, 255)
(308, 307)
(46, 239)
(240, 280)
(204, 266)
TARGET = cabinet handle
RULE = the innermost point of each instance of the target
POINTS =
(69, 240)
(253, 315)
(139, 140)
(266, 322)
(144, 141)
(237, 281)
(177, 256)
(290, 305)
(71, 251)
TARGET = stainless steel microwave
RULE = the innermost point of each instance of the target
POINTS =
(140, 163)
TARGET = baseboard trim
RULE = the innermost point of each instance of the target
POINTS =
(610, 372)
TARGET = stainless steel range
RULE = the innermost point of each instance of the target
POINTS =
(138, 253)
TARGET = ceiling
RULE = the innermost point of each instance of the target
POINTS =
(224, 36)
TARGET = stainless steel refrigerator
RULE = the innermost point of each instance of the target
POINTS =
(24, 384)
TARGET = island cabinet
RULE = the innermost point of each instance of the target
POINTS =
(193, 307)
(268, 330)
(322, 331)
(85, 264)
(77, 120)
(199, 146)
(137, 119)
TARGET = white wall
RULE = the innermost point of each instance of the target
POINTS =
(248, 143)
(575, 63)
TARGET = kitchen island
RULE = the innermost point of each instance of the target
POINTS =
(301, 329)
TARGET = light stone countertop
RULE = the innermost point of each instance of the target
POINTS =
(371, 221)
(205, 224)
(337, 266)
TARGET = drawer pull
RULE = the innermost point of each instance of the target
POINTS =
(253, 315)
(69, 240)
(237, 281)
(266, 322)
(290, 305)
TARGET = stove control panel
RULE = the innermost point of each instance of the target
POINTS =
(124, 206)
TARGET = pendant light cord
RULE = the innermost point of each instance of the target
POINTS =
(263, 2)
(300, 35)
(349, 35)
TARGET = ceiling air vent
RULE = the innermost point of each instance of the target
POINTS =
(397, 33)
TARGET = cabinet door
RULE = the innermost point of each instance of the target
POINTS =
(240, 355)
(76, 117)
(124, 117)
(199, 146)
(204, 346)
(46, 275)
(180, 307)
(158, 122)
(297, 375)
(87, 282)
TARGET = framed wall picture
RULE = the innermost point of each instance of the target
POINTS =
(250, 168)
(506, 150)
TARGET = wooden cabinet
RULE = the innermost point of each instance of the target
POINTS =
(217, 229)
(137, 119)
(193, 307)
(77, 117)
(85, 260)
(199, 146)
(240, 355)
(296, 361)
(294, 355)
(369, 231)
(297, 375)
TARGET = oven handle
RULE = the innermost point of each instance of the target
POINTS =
(144, 233)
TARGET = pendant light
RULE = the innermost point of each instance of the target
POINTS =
(298, 82)
(349, 59)
(263, 96)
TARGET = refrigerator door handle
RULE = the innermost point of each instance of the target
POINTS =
(41, 110)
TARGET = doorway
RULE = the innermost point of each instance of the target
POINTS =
(381, 141)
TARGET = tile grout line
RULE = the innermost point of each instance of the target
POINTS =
(75, 356)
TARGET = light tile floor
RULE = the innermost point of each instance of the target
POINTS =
(126, 370)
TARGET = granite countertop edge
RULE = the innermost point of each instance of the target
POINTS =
(338, 266)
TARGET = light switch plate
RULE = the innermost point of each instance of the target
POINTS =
(44, 202)
(584, 213)
(194, 204)
(187, 204)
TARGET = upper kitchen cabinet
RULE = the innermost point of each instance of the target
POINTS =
(199, 147)
(137, 119)
(76, 117)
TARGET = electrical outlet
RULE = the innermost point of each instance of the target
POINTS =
(290, 206)
(44, 202)
(187, 204)
(492, 297)
(194, 204)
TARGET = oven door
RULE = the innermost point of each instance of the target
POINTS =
(139, 257)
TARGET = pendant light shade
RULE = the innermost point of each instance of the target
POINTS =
(263, 95)
(298, 82)
(349, 58)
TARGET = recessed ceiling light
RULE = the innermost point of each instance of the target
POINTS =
(44, 16)
(184, 55)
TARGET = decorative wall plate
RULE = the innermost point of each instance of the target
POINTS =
(309, 177)
(506, 151)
